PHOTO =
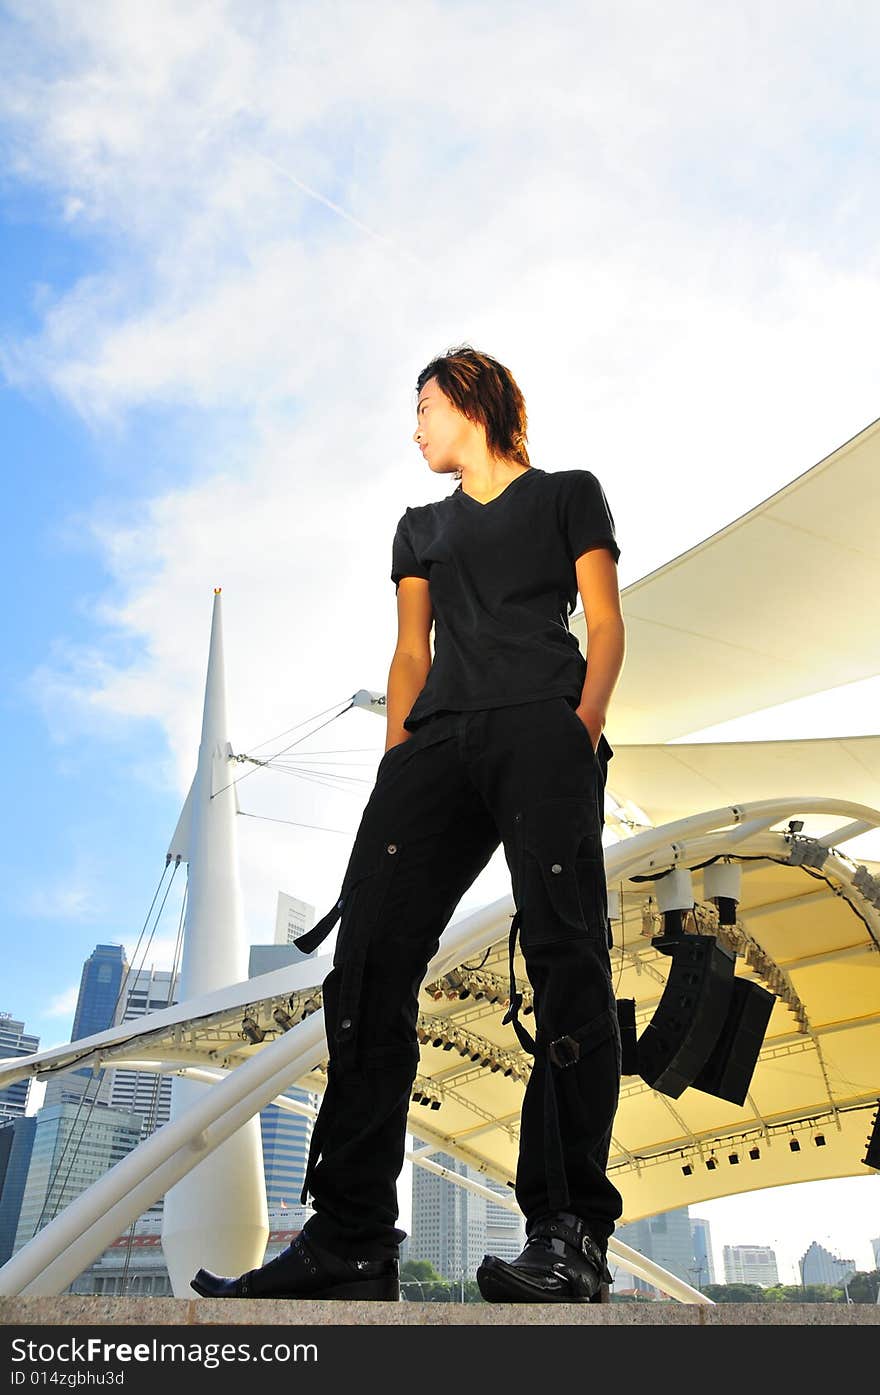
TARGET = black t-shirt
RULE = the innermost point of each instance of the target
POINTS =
(502, 585)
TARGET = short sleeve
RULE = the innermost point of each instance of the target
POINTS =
(403, 558)
(588, 518)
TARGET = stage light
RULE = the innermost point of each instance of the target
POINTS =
(819, 1140)
(754, 1153)
(448, 1045)
(435, 1104)
(687, 1169)
(250, 1030)
(711, 1164)
(437, 1041)
(733, 1159)
(794, 1145)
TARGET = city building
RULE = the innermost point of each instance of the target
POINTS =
(452, 1226)
(16, 1145)
(701, 1241)
(15, 1041)
(750, 1264)
(820, 1266)
(145, 1093)
(292, 917)
(72, 1148)
(132, 1105)
(97, 1008)
(505, 1229)
(286, 1136)
(286, 1141)
(665, 1238)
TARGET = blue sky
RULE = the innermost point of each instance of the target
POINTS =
(77, 849)
(219, 281)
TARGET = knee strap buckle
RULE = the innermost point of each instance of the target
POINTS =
(564, 1051)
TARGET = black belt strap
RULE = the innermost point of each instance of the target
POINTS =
(312, 938)
(343, 1050)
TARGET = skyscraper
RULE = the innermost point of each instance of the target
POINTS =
(16, 1145)
(100, 992)
(505, 1229)
(286, 1136)
(820, 1266)
(449, 1222)
(15, 1041)
(750, 1264)
(665, 1238)
(144, 1092)
(704, 1264)
(72, 1148)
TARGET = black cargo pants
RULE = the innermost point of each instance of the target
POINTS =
(527, 776)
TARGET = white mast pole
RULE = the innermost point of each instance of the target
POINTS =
(216, 1215)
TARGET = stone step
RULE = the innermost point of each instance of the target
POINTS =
(89, 1310)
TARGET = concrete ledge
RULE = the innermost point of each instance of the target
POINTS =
(73, 1310)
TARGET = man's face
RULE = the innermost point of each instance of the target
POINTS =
(442, 431)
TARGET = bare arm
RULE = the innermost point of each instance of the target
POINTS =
(606, 636)
(411, 662)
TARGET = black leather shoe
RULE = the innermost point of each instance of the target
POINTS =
(561, 1263)
(305, 1270)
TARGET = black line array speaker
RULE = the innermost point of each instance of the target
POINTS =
(872, 1157)
(629, 1048)
(729, 1069)
(681, 1035)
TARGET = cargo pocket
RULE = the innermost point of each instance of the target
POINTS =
(564, 872)
(433, 731)
(366, 862)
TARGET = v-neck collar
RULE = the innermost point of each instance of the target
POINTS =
(487, 504)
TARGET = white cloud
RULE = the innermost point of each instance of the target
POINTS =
(588, 195)
(63, 1004)
(74, 898)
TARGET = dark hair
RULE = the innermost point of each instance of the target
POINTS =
(484, 391)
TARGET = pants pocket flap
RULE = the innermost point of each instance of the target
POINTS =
(366, 856)
(564, 838)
